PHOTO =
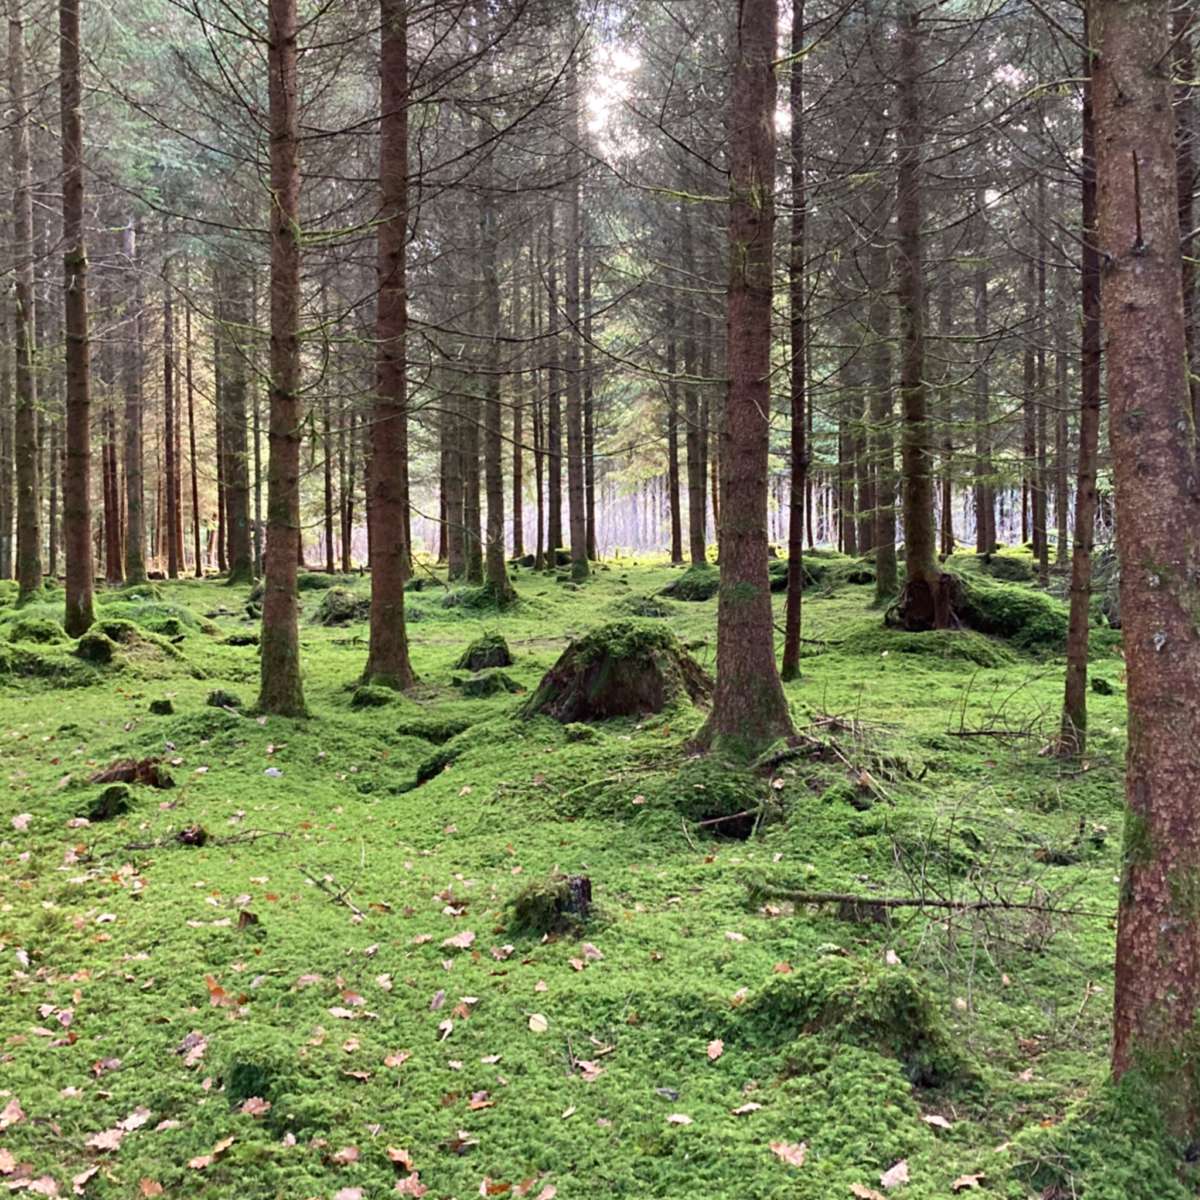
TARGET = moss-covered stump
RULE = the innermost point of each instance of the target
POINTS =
(95, 647)
(219, 698)
(624, 669)
(556, 904)
(340, 606)
(699, 582)
(371, 695)
(148, 771)
(490, 650)
(161, 708)
(114, 801)
(486, 683)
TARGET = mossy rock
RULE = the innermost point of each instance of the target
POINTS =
(474, 599)
(1030, 620)
(114, 801)
(701, 581)
(314, 581)
(219, 698)
(120, 629)
(433, 729)
(490, 650)
(652, 607)
(340, 606)
(162, 708)
(246, 637)
(577, 731)
(95, 647)
(556, 904)
(371, 695)
(947, 645)
(623, 669)
(848, 1001)
(142, 592)
(486, 683)
(43, 631)
(1010, 568)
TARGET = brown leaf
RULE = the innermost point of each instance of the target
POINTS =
(398, 1059)
(348, 1193)
(715, 1049)
(206, 1160)
(746, 1109)
(79, 1182)
(481, 1100)
(411, 1186)
(679, 1119)
(400, 1156)
(135, 1120)
(8, 1164)
(895, 1175)
(150, 1188)
(255, 1106)
(345, 1156)
(45, 1185)
(109, 1139)
(792, 1153)
(460, 941)
(11, 1113)
(862, 1192)
(965, 1182)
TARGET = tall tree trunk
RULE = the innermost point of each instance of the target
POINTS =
(470, 410)
(113, 572)
(985, 500)
(281, 691)
(695, 434)
(925, 601)
(1041, 477)
(169, 447)
(575, 464)
(7, 478)
(672, 390)
(388, 660)
(798, 349)
(1157, 986)
(1185, 175)
(749, 708)
(589, 399)
(235, 322)
(552, 443)
(879, 316)
(518, 436)
(1073, 736)
(191, 416)
(1060, 443)
(452, 483)
(77, 491)
(52, 516)
(29, 497)
(135, 513)
(327, 447)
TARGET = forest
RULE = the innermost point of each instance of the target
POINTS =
(600, 598)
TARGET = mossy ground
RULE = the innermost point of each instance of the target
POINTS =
(846, 1032)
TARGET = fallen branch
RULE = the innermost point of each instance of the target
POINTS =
(190, 837)
(849, 898)
(339, 896)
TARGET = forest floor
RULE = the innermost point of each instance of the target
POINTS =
(328, 998)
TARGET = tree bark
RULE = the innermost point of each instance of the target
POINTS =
(575, 464)
(29, 497)
(1157, 985)
(672, 390)
(281, 690)
(77, 491)
(191, 415)
(235, 321)
(169, 447)
(985, 500)
(388, 659)
(552, 443)
(749, 707)
(135, 513)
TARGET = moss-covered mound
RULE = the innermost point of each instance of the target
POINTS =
(490, 650)
(883, 1008)
(698, 582)
(653, 607)
(624, 669)
(486, 683)
(371, 695)
(949, 645)
(340, 606)
(44, 631)
(95, 647)
(1030, 620)
(556, 904)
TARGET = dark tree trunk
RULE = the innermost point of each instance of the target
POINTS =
(52, 517)
(191, 416)
(110, 484)
(696, 434)
(749, 707)
(672, 390)
(589, 401)
(985, 499)
(135, 513)
(879, 317)
(1061, 469)
(387, 481)
(470, 410)
(925, 600)
(1185, 175)
(452, 485)
(235, 321)
(552, 443)
(797, 346)
(7, 480)
(518, 449)
(575, 464)
(169, 448)
(327, 447)
(1157, 986)
(29, 497)
(77, 490)
(1073, 737)
(281, 690)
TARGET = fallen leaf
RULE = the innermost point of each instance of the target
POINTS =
(460, 941)
(348, 1193)
(735, 937)
(480, 1100)
(150, 1188)
(490, 1187)
(8, 1164)
(538, 1023)
(79, 1182)
(400, 1156)
(739, 997)
(862, 1192)
(445, 1028)
(411, 1186)
(135, 1120)
(45, 1185)
(937, 1120)
(192, 1048)
(345, 1156)
(965, 1182)
(892, 959)
(590, 951)
(791, 1153)
(746, 1109)
(895, 1175)
(206, 1160)
(398, 1059)
(500, 953)
(715, 1049)
(21, 821)
(11, 1113)
(568, 1112)
(679, 1119)
(255, 1106)
(109, 1139)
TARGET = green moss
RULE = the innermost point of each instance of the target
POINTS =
(340, 606)
(372, 696)
(950, 645)
(44, 631)
(486, 683)
(220, 698)
(488, 650)
(96, 647)
(556, 904)
(699, 582)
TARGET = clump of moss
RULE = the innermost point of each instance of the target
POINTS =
(95, 647)
(846, 1000)
(556, 904)
(371, 695)
(1101, 686)
(626, 668)
(247, 637)
(43, 631)
(433, 729)
(577, 731)
(1030, 620)
(340, 606)
(653, 607)
(486, 683)
(704, 789)
(219, 698)
(114, 801)
(161, 708)
(701, 581)
(314, 581)
(949, 645)
(490, 650)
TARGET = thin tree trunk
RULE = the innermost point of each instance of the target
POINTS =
(575, 464)
(169, 411)
(135, 514)
(879, 317)
(281, 690)
(1157, 984)
(191, 414)
(553, 439)
(985, 500)
(388, 660)
(518, 437)
(77, 492)
(672, 389)
(7, 478)
(29, 522)
(52, 518)
(1073, 736)
(749, 707)
(589, 399)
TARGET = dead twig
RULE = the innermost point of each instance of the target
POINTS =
(178, 839)
(849, 898)
(336, 893)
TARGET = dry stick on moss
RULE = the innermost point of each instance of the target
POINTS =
(251, 835)
(921, 902)
(340, 896)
